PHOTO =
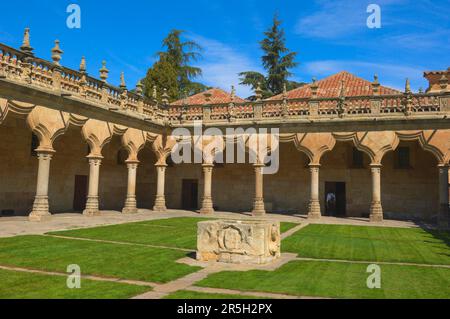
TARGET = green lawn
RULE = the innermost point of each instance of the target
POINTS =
(338, 280)
(361, 243)
(94, 258)
(185, 294)
(174, 232)
(19, 285)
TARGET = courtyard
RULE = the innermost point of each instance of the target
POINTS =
(152, 255)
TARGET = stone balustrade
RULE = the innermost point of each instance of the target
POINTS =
(22, 67)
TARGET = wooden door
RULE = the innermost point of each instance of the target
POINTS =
(190, 194)
(80, 193)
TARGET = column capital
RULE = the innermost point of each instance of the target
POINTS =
(314, 165)
(161, 165)
(376, 165)
(208, 165)
(444, 166)
(45, 150)
(94, 157)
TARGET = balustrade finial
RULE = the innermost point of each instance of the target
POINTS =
(154, 93)
(233, 93)
(407, 86)
(258, 92)
(443, 82)
(342, 92)
(139, 88)
(26, 46)
(123, 85)
(56, 53)
(165, 97)
(104, 72)
(82, 68)
(375, 85)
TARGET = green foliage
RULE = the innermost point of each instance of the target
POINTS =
(277, 60)
(173, 70)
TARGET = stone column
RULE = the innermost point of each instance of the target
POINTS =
(258, 204)
(92, 208)
(130, 202)
(207, 203)
(314, 203)
(443, 216)
(376, 210)
(40, 206)
(160, 201)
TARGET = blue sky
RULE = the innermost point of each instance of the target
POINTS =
(329, 36)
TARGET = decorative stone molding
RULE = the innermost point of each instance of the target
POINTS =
(239, 242)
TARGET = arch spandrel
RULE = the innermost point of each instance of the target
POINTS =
(314, 145)
(47, 124)
(434, 141)
(97, 134)
(134, 141)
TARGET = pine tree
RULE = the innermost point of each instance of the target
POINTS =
(173, 70)
(277, 60)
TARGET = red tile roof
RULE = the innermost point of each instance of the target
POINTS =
(216, 96)
(330, 87)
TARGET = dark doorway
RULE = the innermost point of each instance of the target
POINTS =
(190, 194)
(80, 193)
(335, 199)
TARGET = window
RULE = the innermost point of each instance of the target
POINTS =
(34, 144)
(402, 159)
(122, 156)
(357, 158)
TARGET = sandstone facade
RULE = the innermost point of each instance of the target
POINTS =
(119, 143)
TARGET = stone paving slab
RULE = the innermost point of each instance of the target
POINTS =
(13, 226)
(264, 295)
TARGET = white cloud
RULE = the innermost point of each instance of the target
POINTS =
(222, 63)
(336, 19)
(392, 75)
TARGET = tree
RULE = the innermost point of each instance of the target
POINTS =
(277, 60)
(161, 75)
(173, 70)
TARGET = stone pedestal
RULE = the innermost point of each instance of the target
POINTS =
(239, 242)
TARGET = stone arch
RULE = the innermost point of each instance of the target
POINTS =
(97, 134)
(162, 146)
(314, 145)
(375, 143)
(134, 141)
(47, 124)
(435, 141)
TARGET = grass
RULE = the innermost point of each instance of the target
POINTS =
(185, 294)
(412, 245)
(174, 232)
(15, 285)
(338, 280)
(94, 258)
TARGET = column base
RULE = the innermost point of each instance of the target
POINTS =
(376, 213)
(314, 210)
(39, 217)
(207, 211)
(258, 208)
(160, 204)
(91, 212)
(129, 210)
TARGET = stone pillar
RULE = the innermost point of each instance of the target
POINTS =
(314, 203)
(160, 201)
(130, 202)
(443, 216)
(376, 210)
(40, 206)
(258, 204)
(207, 203)
(92, 208)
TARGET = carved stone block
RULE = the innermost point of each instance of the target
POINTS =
(240, 242)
